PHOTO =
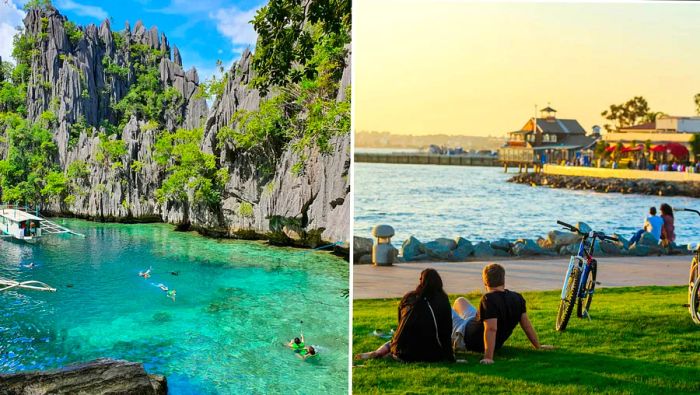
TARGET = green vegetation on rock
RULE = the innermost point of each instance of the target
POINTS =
(188, 169)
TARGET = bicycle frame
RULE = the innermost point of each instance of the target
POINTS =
(583, 259)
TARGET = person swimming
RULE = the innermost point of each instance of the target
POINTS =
(145, 274)
(171, 294)
(296, 344)
(307, 352)
(30, 265)
(163, 287)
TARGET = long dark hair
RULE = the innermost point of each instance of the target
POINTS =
(430, 284)
(666, 210)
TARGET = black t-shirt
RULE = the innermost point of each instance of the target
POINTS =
(507, 307)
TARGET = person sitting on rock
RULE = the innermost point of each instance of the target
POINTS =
(500, 311)
(653, 224)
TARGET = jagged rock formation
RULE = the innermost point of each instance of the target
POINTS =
(75, 79)
(101, 376)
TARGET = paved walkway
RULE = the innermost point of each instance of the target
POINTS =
(522, 274)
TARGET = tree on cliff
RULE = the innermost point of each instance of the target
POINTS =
(285, 43)
(629, 113)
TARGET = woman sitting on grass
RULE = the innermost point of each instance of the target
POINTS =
(425, 325)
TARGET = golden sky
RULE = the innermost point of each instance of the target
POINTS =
(477, 68)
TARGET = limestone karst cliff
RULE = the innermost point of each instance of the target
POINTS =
(87, 80)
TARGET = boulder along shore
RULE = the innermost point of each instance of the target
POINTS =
(619, 185)
(556, 243)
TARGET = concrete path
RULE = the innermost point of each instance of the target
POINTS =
(372, 282)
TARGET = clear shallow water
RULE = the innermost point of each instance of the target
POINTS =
(237, 304)
(477, 203)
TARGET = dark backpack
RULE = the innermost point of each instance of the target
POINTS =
(417, 337)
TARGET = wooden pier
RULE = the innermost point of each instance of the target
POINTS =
(427, 159)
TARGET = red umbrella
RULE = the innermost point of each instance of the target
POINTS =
(677, 150)
(638, 147)
(610, 148)
(658, 148)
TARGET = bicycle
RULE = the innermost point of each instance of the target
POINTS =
(580, 280)
(694, 277)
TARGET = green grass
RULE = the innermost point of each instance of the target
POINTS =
(641, 340)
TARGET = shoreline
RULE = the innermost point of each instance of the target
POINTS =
(553, 245)
(248, 235)
(610, 185)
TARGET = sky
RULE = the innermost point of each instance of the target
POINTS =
(203, 30)
(476, 68)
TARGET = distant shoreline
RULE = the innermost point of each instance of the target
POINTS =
(611, 185)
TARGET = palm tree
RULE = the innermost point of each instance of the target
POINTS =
(695, 146)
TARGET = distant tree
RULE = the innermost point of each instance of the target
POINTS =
(600, 147)
(630, 113)
(652, 116)
(695, 145)
(697, 103)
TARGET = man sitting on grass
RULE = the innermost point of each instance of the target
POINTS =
(500, 311)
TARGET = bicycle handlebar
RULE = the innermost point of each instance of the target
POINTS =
(599, 235)
(688, 209)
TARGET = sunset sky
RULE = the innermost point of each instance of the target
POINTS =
(455, 67)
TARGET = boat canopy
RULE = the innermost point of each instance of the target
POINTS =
(15, 215)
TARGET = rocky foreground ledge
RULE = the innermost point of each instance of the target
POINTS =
(620, 185)
(556, 243)
(101, 376)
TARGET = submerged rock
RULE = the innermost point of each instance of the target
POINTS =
(101, 376)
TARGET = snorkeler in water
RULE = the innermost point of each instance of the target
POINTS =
(296, 344)
(307, 352)
(163, 287)
(30, 266)
(145, 274)
(171, 294)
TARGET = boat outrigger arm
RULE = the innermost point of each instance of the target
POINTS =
(32, 285)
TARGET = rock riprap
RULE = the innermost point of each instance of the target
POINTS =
(556, 243)
(619, 185)
(101, 376)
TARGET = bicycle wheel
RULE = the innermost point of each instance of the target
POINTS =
(566, 306)
(587, 292)
(695, 301)
(691, 283)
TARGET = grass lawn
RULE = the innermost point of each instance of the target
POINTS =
(641, 340)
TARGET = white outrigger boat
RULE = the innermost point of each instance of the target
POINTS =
(20, 224)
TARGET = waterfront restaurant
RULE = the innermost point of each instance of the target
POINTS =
(666, 132)
(547, 139)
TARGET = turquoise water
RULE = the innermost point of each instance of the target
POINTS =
(237, 304)
(431, 201)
